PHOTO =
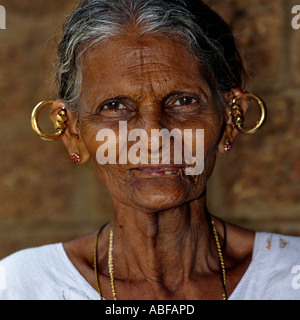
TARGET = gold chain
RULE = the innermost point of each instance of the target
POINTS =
(96, 265)
(222, 264)
(111, 263)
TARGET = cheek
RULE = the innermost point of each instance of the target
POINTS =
(214, 128)
(101, 139)
(97, 135)
(205, 144)
(211, 122)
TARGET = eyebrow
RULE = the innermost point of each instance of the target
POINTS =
(95, 104)
(201, 89)
(174, 93)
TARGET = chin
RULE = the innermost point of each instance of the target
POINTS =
(154, 192)
(154, 196)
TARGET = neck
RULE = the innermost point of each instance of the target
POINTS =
(165, 247)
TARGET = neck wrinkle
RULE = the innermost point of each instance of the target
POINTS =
(163, 248)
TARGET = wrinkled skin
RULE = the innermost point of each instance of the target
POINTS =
(163, 246)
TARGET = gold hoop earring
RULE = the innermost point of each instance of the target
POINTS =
(60, 124)
(238, 118)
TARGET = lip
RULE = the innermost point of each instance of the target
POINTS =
(163, 170)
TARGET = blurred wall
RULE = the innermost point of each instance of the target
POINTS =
(45, 198)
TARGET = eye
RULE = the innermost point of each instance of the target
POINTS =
(116, 107)
(185, 101)
(113, 105)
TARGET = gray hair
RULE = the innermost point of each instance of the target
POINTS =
(206, 36)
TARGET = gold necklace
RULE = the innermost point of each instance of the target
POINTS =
(221, 260)
(111, 263)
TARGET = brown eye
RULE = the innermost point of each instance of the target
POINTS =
(116, 107)
(113, 105)
(185, 101)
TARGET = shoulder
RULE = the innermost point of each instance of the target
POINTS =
(24, 274)
(25, 262)
(274, 272)
(29, 256)
(281, 250)
(39, 273)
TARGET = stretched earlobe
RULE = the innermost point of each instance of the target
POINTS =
(227, 141)
(73, 141)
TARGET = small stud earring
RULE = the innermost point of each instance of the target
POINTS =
(228, 145)
(75, 157)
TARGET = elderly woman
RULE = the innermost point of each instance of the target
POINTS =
(152, 65)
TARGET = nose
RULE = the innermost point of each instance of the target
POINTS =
(151, 117)
(155, 138)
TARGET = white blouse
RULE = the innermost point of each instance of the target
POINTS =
(46, 273)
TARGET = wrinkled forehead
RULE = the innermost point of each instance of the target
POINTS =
(139, 61)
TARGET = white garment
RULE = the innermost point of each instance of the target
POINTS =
(46, 273)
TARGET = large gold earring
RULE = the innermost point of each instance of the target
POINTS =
(60, 124)
(238, 118)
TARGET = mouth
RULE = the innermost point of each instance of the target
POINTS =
(160, 170)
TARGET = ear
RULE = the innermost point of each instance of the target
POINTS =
(71, 137)
(230, 131)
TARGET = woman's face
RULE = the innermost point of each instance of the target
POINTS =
(147, 82)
